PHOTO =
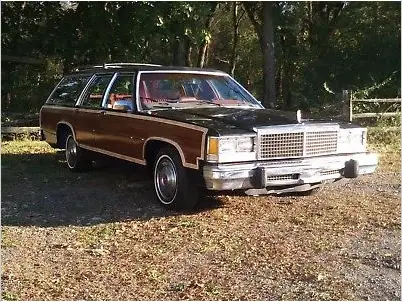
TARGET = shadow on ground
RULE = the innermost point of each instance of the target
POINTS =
(38, 189)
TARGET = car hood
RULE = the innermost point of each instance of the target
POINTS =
(223, 120)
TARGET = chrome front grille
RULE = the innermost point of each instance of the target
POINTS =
(280, 177)
(281, 145)
(290, 144)
(330, 172)
(321, 143)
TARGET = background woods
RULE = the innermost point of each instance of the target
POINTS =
(288, 54)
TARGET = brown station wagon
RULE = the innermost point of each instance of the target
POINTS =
(194, 129)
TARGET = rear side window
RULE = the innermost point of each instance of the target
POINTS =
(68, 90)
(94, 95)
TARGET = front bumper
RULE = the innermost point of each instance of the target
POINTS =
(293, 173)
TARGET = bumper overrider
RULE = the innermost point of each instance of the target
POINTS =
(285, 176)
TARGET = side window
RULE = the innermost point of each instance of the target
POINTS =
(94, 94)
(121, 91)
(68, 90)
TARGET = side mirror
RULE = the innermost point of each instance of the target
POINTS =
(122, 105)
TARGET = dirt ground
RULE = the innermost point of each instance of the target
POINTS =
(101, 235)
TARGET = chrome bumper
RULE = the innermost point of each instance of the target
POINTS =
(294, 173)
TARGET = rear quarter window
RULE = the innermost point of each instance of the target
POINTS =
(68, 90)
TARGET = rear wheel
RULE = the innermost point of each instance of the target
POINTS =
(173, 187)
(77, 158)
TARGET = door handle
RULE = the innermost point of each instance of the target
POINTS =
(103, 112)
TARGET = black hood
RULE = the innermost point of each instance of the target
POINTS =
(224, 121)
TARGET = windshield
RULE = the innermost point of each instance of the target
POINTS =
(185, 90)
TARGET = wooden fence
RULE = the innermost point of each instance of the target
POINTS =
(19, 130)
(12, 133)
(348, 101)
(14, 123)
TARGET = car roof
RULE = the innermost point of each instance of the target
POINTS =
(126, 67)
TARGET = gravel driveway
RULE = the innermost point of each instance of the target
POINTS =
(101, 236)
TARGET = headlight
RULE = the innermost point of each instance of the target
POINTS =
(231, 148)
(352, 140)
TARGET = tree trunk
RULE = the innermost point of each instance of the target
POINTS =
(268, 55)
(202, 54)
(235, 38)
(265, 33)
(189, 51)
(178, 52)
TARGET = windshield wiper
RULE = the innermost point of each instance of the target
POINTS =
(185, 100)
(209, 102)
(165, 103)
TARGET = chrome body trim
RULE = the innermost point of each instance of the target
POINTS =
(258, 103)
(69, 125)
(54, 89)
(173, 143)
(128, 158)
(84, 91)
(285, 173)
(108, 88)
(134, 116)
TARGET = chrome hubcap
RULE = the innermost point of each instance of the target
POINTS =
(166, 180)
(71, 152)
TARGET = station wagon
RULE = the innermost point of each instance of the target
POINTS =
(196, 129)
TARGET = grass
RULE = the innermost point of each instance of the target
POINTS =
(6, 240)
(384, 139)
(387, 144)
(26, 147)
(94, 236)
(9, 296)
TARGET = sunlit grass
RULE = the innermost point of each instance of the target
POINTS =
(26, 147)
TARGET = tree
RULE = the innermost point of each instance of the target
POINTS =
(296, 51)
(236, 19)
(261, 16)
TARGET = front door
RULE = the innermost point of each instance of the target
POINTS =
(117, 133)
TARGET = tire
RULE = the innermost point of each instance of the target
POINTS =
(173, 187)
(77, 159)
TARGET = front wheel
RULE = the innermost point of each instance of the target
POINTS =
(173, 187)
(77, 158)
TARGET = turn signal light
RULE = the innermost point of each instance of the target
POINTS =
(213, 144)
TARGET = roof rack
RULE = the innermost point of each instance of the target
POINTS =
(105, 65)
(85, 67)
(113, 65)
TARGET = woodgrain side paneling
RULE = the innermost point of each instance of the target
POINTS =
(125, 135)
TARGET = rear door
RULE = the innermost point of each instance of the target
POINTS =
(89, 110)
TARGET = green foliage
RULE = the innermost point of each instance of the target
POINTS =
(7, 296)
(385, 135)
(348, 45)
(320, 47)
(394, 121)
(384, 138)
